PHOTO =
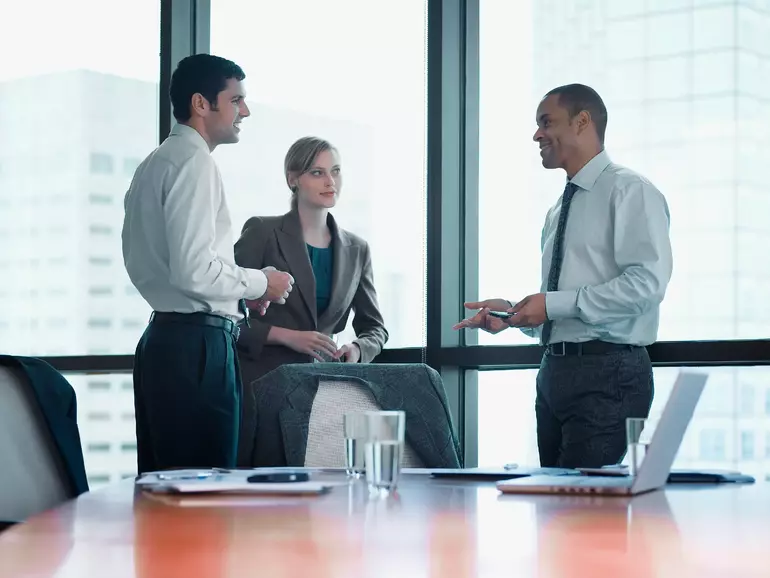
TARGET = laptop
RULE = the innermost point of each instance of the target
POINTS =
(655, 467)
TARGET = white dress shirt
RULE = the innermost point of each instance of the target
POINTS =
(617, 258)
(177, 237)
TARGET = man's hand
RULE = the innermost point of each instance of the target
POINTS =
(349, 353)
(258, 305)
(529, 312)
(279, 285)
(482, 319)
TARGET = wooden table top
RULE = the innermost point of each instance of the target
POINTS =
(437, 528)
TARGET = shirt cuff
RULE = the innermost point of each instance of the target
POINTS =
(561, 304)
(257, 284)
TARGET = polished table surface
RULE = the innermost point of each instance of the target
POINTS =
(437, 528)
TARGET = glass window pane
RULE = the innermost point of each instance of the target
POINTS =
(332, 69)
(720, 436)
(78, 101)
(714, 72)
(669, 120)
(668, 77)
(627, 39)
(106, 425)
(624, 9)
(714, 27)
(669, 33)
(753, 22)
(701, 151)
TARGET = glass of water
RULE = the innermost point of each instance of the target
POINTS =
(384, 449)
(638, 436)
(355, 426)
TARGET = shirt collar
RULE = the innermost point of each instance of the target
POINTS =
(190, 134)
(587, 176)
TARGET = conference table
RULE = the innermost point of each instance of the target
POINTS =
(431, 527)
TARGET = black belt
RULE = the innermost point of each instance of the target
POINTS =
(198, 318)
(564, 348)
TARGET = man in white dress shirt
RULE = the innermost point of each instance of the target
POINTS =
(178, 251)
(606, 264)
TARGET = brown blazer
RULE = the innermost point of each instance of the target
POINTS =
(278, 241)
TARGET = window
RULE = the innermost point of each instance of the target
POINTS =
(96, 480)
(714, 27)
(99, 385)
(747, 445)
(99, 291)
(115, 118)
(363, 92)
(97, 230)
(675, 107)
(767, 445)
(668, 33)
(100, 261)
(106, 429)
(97, 199)
(96, 323)
(130, 166)
(747, 399)
(101, 164)
(507, 431)
(712, 445)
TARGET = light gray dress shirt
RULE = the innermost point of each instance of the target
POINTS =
(617, 258)
(177, 237)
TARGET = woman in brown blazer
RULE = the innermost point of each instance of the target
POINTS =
(332, 271)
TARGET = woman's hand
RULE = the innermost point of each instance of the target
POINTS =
(349, 353)
(308, 342)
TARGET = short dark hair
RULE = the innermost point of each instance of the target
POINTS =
(200, 73)
(578, 97)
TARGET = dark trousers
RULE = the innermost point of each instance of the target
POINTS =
(187, 396)
(582, 404)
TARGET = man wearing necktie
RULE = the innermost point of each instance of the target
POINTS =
(606, 264)
(178, 252)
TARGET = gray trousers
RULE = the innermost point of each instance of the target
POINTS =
(582, 404)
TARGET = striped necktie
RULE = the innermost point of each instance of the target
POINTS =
(558, 252)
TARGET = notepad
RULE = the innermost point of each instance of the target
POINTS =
(223, 481)
(236, 487)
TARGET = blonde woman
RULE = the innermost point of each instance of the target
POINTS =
(332, 270)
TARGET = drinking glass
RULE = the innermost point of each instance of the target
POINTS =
(355, 433)
(384, 449)
(638, 436)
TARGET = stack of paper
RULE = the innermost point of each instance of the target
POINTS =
(205, 481)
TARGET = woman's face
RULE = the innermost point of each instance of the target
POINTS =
(320, 186)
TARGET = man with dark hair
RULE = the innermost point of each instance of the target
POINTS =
(178, 251)
(606, 264)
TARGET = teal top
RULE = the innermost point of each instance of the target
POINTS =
(322, 261)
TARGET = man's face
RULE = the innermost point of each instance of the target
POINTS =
(556, 133)
(223, 121)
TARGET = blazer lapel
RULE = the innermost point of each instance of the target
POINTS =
(342, 273)
(292, 245)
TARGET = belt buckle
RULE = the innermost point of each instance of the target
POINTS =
(561, 352)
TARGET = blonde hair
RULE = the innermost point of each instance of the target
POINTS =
(300, 158)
